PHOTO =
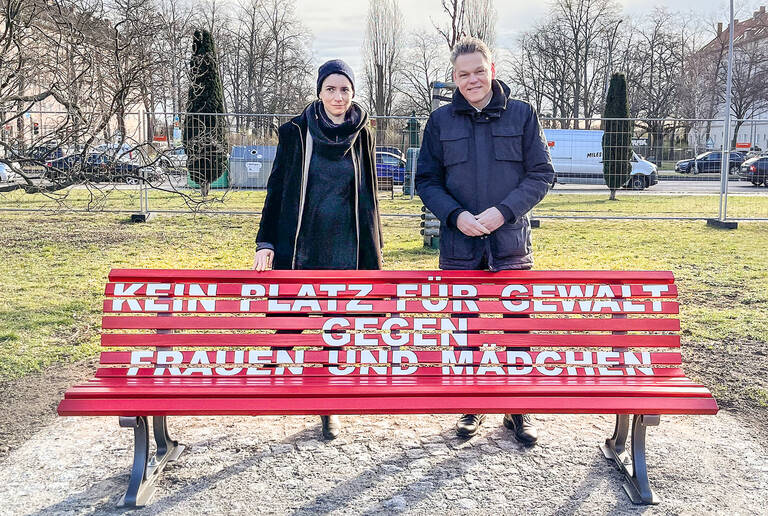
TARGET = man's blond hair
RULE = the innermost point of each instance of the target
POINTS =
(470, 45)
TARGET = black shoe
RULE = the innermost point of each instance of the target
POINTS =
(331, 427)
(522, 425)
(469, 424)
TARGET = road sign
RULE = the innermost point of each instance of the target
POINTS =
(710, 144)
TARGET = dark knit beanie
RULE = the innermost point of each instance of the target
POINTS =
(331, 67)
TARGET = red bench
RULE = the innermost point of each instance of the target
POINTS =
(388, 342)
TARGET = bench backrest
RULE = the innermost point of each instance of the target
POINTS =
(222, 323)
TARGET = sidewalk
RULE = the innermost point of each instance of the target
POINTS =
(411, 464)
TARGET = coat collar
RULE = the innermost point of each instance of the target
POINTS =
(494, 108)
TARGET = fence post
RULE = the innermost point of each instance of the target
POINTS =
(143, 215)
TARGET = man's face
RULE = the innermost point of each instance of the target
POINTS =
(473, 74)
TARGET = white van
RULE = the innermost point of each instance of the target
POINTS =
(577, 156)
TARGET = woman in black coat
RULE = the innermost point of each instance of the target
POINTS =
(321, 210)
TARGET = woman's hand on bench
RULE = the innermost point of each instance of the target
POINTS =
(263, 260)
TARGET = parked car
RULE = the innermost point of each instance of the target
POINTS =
(391, 149)
(6, 173)
(173, 158)
(577, 156)
(709, 162)
(97, 167)
(390, 166)
(755, 170)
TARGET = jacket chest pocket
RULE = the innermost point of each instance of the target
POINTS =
(455, 148)
(507, 143)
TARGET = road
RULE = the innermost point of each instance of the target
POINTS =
(672, 188)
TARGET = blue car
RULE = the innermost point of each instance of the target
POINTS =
(390, 166)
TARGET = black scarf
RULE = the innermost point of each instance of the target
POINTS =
(330, 139)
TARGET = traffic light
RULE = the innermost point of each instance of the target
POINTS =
(36, 128)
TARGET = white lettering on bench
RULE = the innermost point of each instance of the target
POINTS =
(332, 291)
(357, 306)
(153, 305)
(465, 291)
(336, 339)
(446, 325)
(168, 358)
(438, 305)
(256, 356)
(631, 359)
(367, 357)
(514, 289)
(221, 358)
(490, 357)
(544, 291)
(120, 289)
(541, 360)
(515, 306)
(404, 290)
(585, 362)
(394, 323)
(604, 291)
(365, 324)
(249, 290)
(195, 289)
(464, 357)
(424, 323)
(154, 289)
(284, 357)
(140, 358)
(519, 357)
(656, 290)
(133, 305)
(575, 291)
(609, 358)
(397, 361)
(333, 358)
(209, 305)
(273, 305)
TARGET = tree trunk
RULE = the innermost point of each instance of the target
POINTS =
(613, 195)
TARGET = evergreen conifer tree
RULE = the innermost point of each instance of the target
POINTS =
(204, 135)
(617, 136)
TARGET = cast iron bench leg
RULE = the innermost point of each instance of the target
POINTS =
(634, 467)
(146, 470)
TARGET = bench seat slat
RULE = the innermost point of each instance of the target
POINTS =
(162, 387)
(388, 405)
(234, 306)
(377, 277)
(423, 357)
(424, 371)
(378, 291)
(212, 340)
(116, 322)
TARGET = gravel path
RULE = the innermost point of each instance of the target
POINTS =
(413, 464)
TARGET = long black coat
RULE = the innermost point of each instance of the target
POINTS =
(280, 216)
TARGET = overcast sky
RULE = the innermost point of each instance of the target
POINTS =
(338, 26)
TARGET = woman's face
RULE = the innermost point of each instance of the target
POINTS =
(336, 94)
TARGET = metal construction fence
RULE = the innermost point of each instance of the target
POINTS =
(157, 163)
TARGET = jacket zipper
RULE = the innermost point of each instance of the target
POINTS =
(304, 165)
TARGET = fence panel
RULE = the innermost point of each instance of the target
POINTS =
(141, 163)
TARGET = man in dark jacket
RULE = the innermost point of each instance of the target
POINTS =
(483, 165)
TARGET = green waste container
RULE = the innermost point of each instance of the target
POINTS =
(221, 182)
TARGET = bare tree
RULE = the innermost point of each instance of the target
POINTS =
(383, 54)
(424, 61)
(454, 29)
(480, 18)
(658, 59)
